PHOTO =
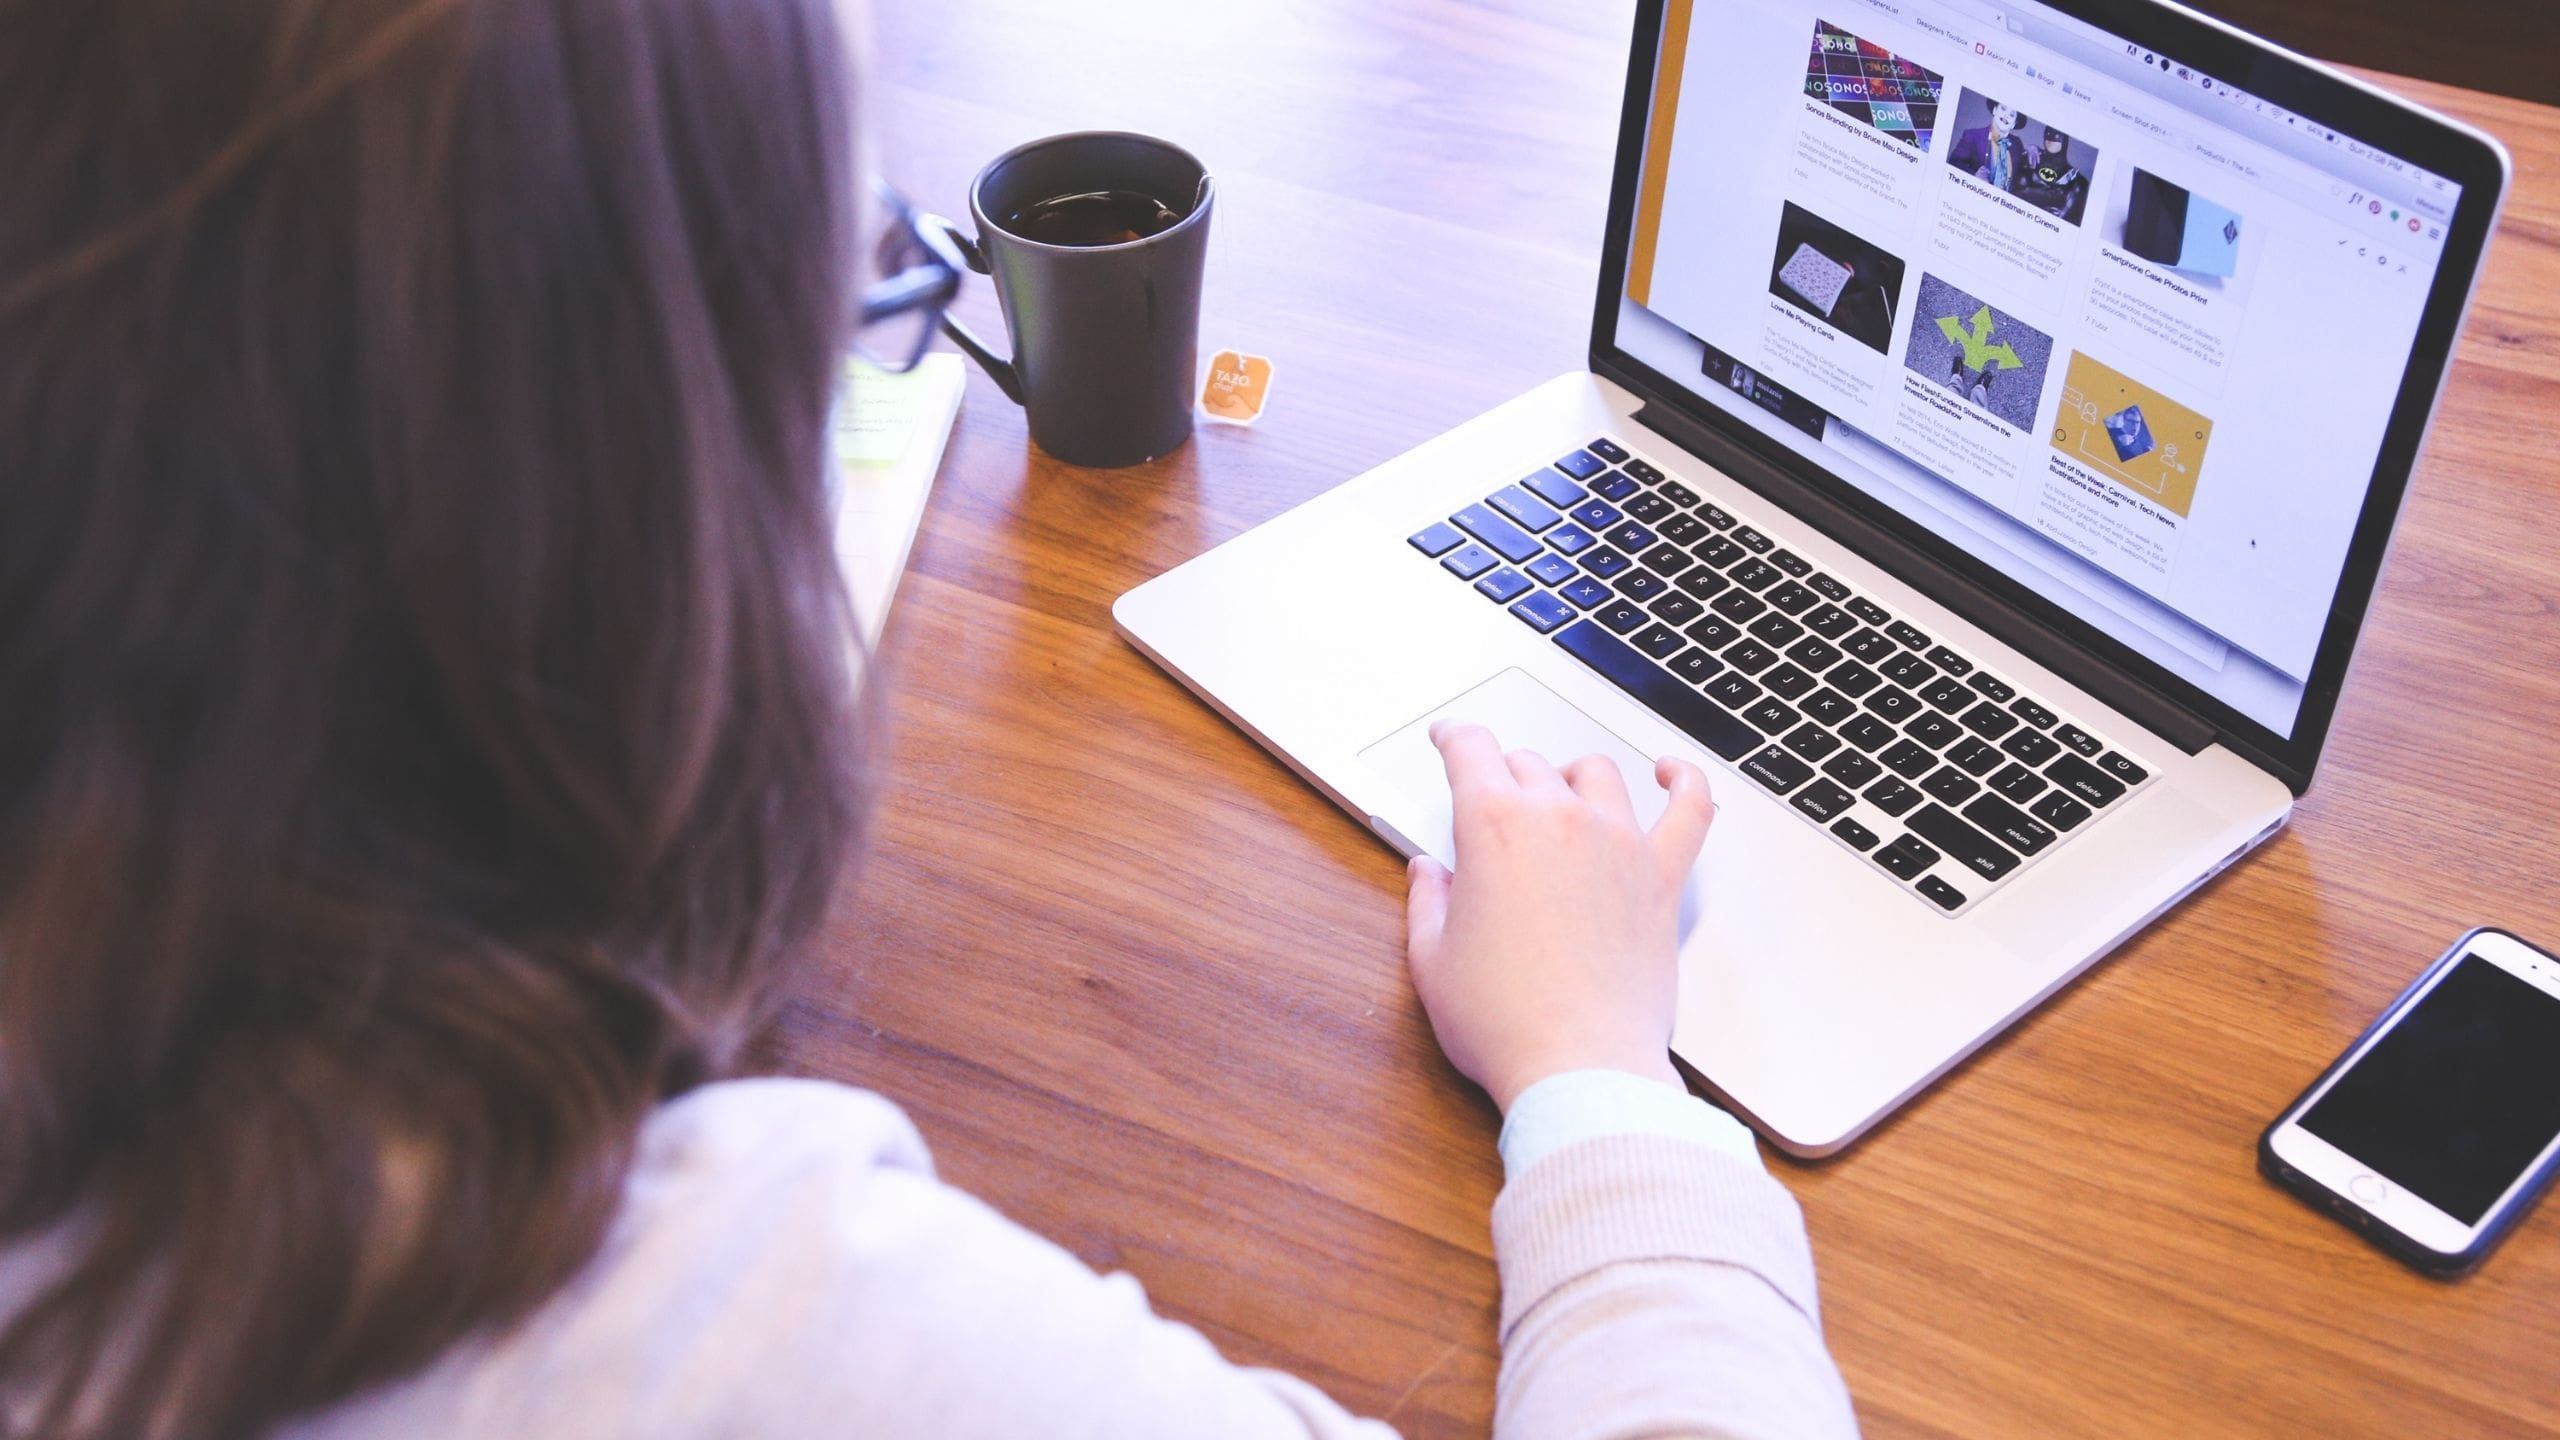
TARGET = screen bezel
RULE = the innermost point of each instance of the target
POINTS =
(2333, 1169)
(2067, 643)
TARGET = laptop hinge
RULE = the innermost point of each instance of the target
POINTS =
(1933, 577)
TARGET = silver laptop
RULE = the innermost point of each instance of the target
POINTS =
(1991, 511)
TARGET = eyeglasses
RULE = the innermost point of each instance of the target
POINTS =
(920, 265)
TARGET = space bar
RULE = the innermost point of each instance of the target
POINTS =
(1629, 670)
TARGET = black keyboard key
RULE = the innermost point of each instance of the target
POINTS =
(2030, 748)
(1526, 510)
(1701, 582)
(1732, 690)
(1949, 661)
(1993, 687)
(1828, 588)
(1951, 785)
(1570, 539)
(1643, 472)
(1716, 515)
(1658, 640)
(1755, 575)
(1869, 611)
(1609, 450)
(1684, 530)
(1551, 486)
(1908, 670)
(2059, 811)
(1737, 605)
(2079, 739)
(1791, 597)
(1857, 836)
(1963, 843)
(1791, 562)
(1775, 629)
(1777, 769)
(1436, 539)
(1542, 611)
(1829, 706)
(1787, 682)
(1679, 494)
(1641, 585)
(1614, 486)
(2115, 763)
(1989, 721)
(2084, 780)
(1813, 742)
(1581, 465)
(1830, 621)
(1715, 632)
(1499, 535)
(1586, 592)
(1469, 561)
(1648, 507)
(1933, 730)
(1718, 551)
(1940, 893)
(1753, 541)
(1823, 801)
(1893, 796)
(1604, 562)
(1852, 679)
(1551, 569)
(1630, 536)
(1974, 757)
(1866, 732)
(2033, 713)
(1771, 715)
(1675, 609)
(1868, 645)
(1656, 690)
(1906, 856)
(1750, 657)
(2018, 783)
(1948, 694)
(1908, 760)
(2009, 824)
(1894, 704)
(1814, 654)
(1596, 515)
(1620, 616)
(1696, 666)
(1852, 769)
(1504, 585)
(1907, 635)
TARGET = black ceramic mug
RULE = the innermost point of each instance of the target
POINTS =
(1106, 337)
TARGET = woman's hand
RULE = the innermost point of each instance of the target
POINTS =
(1554, 945)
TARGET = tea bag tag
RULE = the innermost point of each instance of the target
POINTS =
(1238, 386)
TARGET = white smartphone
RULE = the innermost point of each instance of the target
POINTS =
(2440, 1126)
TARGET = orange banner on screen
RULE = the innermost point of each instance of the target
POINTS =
(1657, 149)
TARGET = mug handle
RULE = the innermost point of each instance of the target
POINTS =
(998, 368)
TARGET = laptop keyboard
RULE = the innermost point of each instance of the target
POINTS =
(1948, 779)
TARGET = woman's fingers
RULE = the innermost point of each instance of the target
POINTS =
(1682, 831)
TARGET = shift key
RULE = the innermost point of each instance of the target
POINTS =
(1965, 845)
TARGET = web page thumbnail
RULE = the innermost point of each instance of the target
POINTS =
(2131, 434)
(2175, 228)
(2035, 161)
(1834, 276)
(1867, 82)
(1983, 354)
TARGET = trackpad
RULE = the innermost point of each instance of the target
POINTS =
(1523, 715)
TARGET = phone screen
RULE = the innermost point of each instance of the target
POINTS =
(2459, 1097)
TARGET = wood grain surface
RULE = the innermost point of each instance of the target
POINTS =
(1144, 990)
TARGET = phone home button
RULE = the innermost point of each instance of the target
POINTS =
(2368, 1188)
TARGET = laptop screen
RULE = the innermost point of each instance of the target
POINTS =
(2116, 327)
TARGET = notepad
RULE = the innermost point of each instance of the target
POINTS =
(889, 432)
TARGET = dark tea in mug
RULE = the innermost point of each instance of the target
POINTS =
(1093, 217)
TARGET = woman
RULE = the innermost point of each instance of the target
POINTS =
(427, 745)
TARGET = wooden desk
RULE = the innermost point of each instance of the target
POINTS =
(1144, 990)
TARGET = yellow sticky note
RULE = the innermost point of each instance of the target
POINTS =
(1239, 385)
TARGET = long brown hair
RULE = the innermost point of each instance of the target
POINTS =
(423, 708)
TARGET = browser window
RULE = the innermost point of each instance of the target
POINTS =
(2113, 325)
